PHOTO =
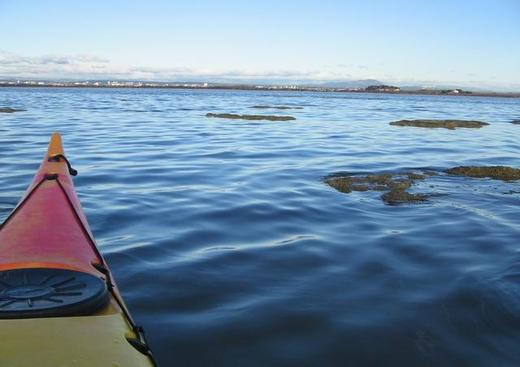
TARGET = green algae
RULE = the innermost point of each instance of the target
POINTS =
(503, 173)
(250, 117)
(9, 110)
(394, 185)
(445, 124)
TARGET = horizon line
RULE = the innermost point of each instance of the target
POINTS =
(378, 87)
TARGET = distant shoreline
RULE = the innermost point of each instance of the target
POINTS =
(122, 85)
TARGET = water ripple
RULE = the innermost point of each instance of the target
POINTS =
(231, 251)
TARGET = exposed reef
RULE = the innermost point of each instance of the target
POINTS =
(503, 173)
(278, 107)
(445, 124)
(395, 185)
(9, 110)
(250, 117)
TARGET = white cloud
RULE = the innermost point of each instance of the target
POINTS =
(92, 67)
(13, 65)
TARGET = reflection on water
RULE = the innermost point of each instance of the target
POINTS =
(231, 251)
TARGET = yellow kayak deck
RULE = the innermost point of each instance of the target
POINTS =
(80, 341)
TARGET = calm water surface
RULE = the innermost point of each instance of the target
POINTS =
(231, 251)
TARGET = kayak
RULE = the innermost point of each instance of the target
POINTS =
(59, 304)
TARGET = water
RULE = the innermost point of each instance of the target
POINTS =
(231, 251)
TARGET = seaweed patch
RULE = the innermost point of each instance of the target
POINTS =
(395, 185)
(250, 117)
(445, 124)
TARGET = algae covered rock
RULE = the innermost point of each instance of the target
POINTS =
(250, 117)
(401, 196)
(503, 173)
(347, 184)
(278, 107)
(419, 176)
(445, 124)
(395, 185)
(9, 110)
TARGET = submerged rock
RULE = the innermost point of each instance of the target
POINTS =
(279, 107)
(401, 196)
(420, 176)
(9, 110)
(395, 185)
(503, 173)
(250, 117)
(445, 124)
(351, 183)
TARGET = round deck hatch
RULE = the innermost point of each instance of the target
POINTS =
(46, 292)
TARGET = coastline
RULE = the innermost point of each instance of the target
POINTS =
(141, 85)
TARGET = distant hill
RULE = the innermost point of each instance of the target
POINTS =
(349, 83)
(444, 86)
(309, 82)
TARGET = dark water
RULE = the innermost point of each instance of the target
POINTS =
(231, 251)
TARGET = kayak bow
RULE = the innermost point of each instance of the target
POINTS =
(59, 305)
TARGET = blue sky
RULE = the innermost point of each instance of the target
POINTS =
(469, 43)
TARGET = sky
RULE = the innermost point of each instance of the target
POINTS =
(472, 43)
